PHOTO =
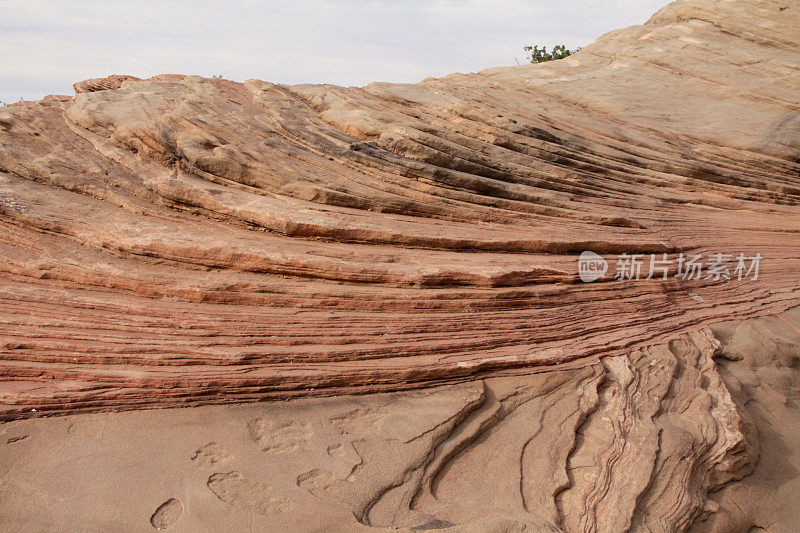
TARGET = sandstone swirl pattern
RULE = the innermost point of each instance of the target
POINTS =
(662, 439)
(180, 240)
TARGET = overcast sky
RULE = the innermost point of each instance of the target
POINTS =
(45, 46)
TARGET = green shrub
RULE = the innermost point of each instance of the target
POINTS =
(540, 55)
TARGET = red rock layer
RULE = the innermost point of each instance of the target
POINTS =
(183, 240)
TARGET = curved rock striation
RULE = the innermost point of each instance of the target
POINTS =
(182, 240)
(698, 434)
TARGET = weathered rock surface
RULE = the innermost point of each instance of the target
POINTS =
(658, 439)
(181, 241)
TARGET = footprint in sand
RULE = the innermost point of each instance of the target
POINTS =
(210, 454)
(359, 418)
(242, 493)
(279, 437)
(167, 514)
(317, 481)
(336, 450)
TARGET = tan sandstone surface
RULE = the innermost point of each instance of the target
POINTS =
(182, 241)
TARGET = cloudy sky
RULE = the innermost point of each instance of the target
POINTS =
(45, 46)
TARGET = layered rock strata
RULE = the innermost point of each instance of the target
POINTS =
(699, 433)
(182, 241)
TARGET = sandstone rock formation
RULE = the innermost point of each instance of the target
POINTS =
(656, 440)
(181, 241)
